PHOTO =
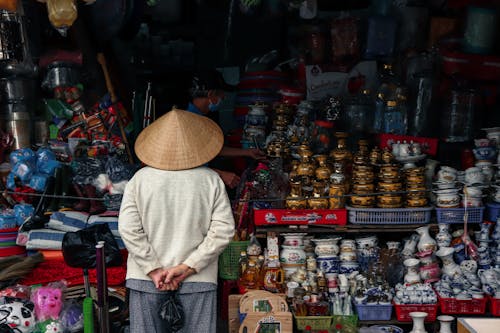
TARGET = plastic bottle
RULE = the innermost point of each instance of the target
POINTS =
(251, 276)
(62, 13)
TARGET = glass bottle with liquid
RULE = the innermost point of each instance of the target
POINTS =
(250, 278)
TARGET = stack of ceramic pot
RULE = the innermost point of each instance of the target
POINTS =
(292, 255)
(327, 251)
(348, 257)
(446, 190)
(415, 187)
(389, 182)
(495, 237)
(363, 185)
(484, 251)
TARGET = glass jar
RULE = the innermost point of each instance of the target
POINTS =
(358, 112)
(421, 91)
(458, 117)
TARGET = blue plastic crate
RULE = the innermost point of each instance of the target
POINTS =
(456, 215)
(374, 312)
(389, 215)
(492, 211)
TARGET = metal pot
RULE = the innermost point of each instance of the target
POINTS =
(20, 126)
(61, 74)
(17, 89)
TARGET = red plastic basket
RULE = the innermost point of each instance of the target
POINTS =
(495, 306)
(403, 311)
(457, 306)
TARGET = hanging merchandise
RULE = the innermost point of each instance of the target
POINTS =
(11, 38)
(345, 41)
(457, 118)
(358, 112)
(481, 29)
(420, 104)
(62, 14)
(10, 5)
(381, 37)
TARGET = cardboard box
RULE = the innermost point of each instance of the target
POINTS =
(272, 322)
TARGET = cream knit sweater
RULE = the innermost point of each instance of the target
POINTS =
(173, 217)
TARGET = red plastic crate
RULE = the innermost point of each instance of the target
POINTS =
(300, 216)
(403, 311)
(495, 306)
(457, 306)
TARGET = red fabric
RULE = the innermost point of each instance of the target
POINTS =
(52, 270)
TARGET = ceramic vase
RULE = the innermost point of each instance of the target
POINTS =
(412, 275)
(426, 242)
(418, 319)
(450, 268)
(443, 237)
(445, 324)
(294, 239)
(292, 255)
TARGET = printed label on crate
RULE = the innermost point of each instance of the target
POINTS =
(306, 216)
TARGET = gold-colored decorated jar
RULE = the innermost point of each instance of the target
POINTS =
(295, 199)
(415, 171)
(375, 155)
(389, 186)
(389, 201)
(336, 193)
(323, 171)
(367, 188)
(306, 166)
(387, 156)
(416, 201)
(362, 201)
(318, 200)
(415, 179)
(341, 153)
(389, 172)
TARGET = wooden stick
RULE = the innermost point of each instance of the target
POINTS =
(111, 90)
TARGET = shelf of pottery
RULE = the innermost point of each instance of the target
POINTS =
(362, 279)
(353, 234)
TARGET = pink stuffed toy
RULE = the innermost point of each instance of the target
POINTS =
(48, 302)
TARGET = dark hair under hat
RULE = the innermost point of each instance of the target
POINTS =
(204, 81)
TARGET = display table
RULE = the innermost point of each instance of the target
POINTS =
(478, 325)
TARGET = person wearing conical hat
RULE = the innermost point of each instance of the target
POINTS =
(207, 92)
(175, 219)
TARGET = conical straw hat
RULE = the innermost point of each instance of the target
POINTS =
(179, 140)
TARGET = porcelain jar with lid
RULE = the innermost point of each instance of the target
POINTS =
(257, 115)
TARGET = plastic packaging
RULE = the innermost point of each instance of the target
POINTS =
(48, 301)
(38, 182)
(62, 13)
(22, 212)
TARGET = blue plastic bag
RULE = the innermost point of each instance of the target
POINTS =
(7, 219)
(23, 155)
(38, 182)
(22, 212)
(23, 171)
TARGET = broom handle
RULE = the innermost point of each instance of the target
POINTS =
(111, 90)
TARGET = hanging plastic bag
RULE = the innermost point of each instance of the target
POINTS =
(171, 311)
(62, 14)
